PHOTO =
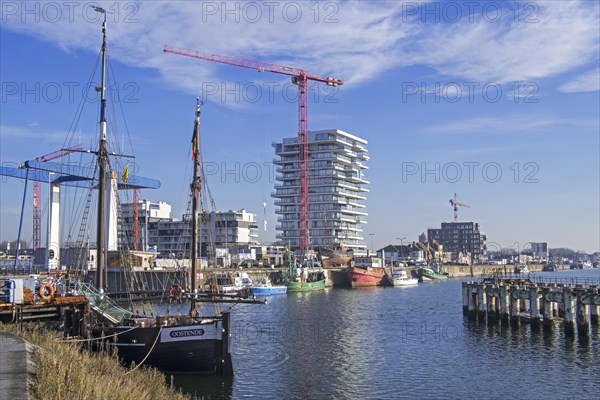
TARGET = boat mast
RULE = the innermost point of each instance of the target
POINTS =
(195, 186)
(102, 164)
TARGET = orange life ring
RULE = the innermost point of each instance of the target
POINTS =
(175, 292)
(46, 291)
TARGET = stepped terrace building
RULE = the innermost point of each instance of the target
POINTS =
(336, 189)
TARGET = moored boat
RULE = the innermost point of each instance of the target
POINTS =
(521, 269)
(331, 257)
(266, 288)
(401, 278)
(429, 275)
(366, 271)
(305, 279)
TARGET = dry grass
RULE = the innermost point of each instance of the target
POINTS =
(64, 371)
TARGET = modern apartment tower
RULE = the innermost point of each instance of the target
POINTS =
(336, 190)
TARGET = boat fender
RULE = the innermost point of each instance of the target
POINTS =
(175, 292)
(215, 289)
(46, 291)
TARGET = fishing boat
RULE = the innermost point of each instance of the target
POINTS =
(266, 288)
(400, 278)
(303, 278)
(427, 274)
(184, 343)
(367, 271)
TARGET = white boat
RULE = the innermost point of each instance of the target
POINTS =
(400, 278)
(521, 269)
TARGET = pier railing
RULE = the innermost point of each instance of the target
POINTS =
(586, 282)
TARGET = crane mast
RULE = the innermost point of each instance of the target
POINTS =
(300, 77)
(455, 203)
(37, 190)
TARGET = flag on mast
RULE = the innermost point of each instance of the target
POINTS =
(125, 174)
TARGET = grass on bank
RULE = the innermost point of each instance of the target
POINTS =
(65, 372)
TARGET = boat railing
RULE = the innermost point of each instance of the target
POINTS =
(104, 305)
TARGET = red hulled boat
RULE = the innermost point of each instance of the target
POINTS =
(362, 277)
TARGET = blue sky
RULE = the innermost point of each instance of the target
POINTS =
(498, 102)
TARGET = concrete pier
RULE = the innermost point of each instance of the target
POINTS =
(583, 320)
(548, 307)
(568, 320)
(504, 303)
(595, 309)
(515, 301)
(534, 302)
(514, 304)
(481, 302)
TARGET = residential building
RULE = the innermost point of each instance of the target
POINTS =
(463, 239)
(171, 237)
(336, 190)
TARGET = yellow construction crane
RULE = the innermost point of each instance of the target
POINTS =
(455, 203)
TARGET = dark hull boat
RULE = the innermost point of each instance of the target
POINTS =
(198, 347)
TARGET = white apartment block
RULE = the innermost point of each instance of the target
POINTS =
(171, 237)
(336, 190)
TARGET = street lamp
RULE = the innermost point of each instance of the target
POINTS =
(401, 246)
(372, 234)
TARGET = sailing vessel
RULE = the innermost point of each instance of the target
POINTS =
(171, 343)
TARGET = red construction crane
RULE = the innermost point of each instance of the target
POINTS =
(37, 189)
(300, 77)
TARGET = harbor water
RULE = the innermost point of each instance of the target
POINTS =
(391, 343)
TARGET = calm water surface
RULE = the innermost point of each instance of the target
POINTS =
(397, 343)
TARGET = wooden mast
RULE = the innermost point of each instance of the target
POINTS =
(195, 186)
(102, 165)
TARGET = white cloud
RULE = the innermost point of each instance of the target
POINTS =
(587, 82)
(487, 125)
(359, 41)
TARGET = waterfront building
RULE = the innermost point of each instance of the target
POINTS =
(540, 251)
(158, 231)
(463, 239)
(336, 189)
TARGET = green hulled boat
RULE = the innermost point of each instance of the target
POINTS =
(303, 279)
(307, 286)
(429, 275)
